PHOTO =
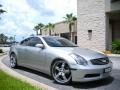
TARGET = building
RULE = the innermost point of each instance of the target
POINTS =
(98, 23)
(62, 29)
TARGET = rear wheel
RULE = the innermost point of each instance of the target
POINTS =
(13, 61)
(61, 72)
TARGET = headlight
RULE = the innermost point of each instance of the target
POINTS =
(80, 60)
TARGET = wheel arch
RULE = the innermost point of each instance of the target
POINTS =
(52, 64)
(12, 53)
(56, 59)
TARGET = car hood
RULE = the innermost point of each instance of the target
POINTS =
(83, 52)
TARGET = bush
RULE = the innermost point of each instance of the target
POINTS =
(1, 51)
(116, 47)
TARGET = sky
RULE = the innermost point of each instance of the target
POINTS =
(23, 15)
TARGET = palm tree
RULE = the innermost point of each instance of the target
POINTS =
(11, 39)
(36, 28)
(39, 27)
(1, 10)
(45, 28)
(50, 27)
(70, 20)
(3, 38)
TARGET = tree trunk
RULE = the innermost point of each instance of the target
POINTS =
(40, 32)
(45, 32)
(50, 32)
(37, 32)
(70, 32)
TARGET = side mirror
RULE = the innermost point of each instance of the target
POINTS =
(39, 46)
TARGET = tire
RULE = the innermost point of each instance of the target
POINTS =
(61, 72)
(13, 61)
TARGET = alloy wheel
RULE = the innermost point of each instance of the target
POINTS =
(61, 72)
(13, 62)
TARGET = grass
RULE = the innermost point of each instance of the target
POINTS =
(10, 83)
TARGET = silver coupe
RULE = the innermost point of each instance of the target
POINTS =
(60, 58)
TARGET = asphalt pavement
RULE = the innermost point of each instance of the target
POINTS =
(111, 83)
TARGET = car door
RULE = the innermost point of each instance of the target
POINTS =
(21, 50)
(35, 56)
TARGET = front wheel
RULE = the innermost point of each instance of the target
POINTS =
(61, 72)
(13, 61)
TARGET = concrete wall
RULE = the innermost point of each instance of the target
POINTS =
(108, 33)
(61, 27)
(91, 16)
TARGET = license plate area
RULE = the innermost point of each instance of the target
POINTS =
(107, 70)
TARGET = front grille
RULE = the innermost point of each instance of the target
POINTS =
(100, 61)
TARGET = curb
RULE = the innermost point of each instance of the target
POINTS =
(109, 55)
(1, 54)
(22, 77)
(113, 55)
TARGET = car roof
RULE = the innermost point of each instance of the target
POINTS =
(40, 36)
(44, 36)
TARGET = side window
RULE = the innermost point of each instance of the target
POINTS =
(24, 42)
(34, 41)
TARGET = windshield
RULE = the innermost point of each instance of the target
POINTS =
(58, 42)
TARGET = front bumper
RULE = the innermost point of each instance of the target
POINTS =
(89, 73)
